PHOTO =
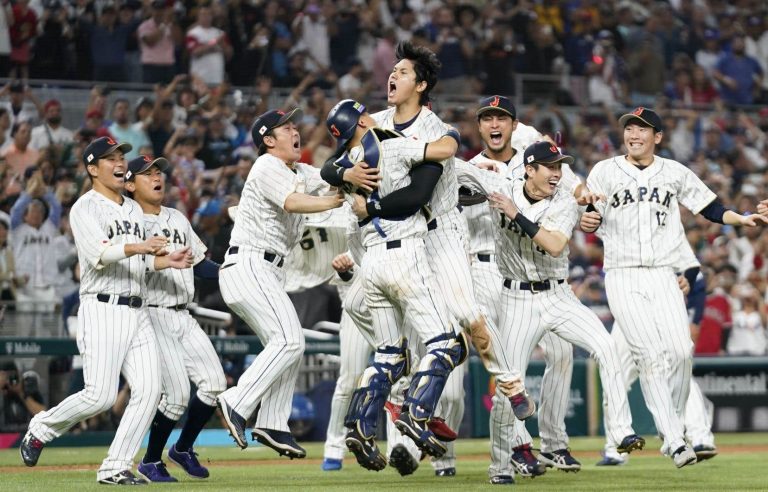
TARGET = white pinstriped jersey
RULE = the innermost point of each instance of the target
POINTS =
(428, 127)
(686, 257)
(34, 253)
(172, 286)
(480, 218)
(309, 264)
(97, 223)
(261, 222)
(641, 215)
(524, 135)
(517, 256)
(397, 156)
(355, 242)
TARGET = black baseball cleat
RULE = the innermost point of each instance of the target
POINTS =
(446, 472)
(281, 441)
(632, 442)
(235, 423)
(526, 464)
(30, 449)
(502, 480)
(402, 461)
(123, 478)
(365, 450)
(560, 459)
(418, 431)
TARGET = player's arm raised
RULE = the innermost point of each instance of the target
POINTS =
(699, 199)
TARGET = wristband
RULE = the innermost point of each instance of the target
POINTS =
(526, 225)
(150, 263)
(454, 134)
(345, 276)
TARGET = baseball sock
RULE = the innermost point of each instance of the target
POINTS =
(198, 415)
(159, 433)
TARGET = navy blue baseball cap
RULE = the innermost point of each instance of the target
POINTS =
(645, 115)
(101, 147)
(497, 103)
(342, 120)
(270, 120)
(142, 163)
(545, 153)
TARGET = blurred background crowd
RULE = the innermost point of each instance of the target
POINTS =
(185, 79)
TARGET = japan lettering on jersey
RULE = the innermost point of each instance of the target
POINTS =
(641, 215)
(517, 255)
(261, 221)
(428, 127)
(34, 253)
(97, 223)
(172, 286)
(397, 156)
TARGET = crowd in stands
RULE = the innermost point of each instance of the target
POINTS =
(699, 63)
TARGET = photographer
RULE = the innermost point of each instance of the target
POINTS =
(20, 397)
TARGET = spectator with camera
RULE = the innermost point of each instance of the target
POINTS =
(20, 398)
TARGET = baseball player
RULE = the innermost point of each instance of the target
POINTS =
(397, 289)
(640, 225)
(532, 255)
(115, 335)
(697, 419)
(408, 88)
(277, 194)
(497, 125)
(185, 350)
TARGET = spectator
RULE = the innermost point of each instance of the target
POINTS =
(748, 335)
(208, 49)
(344, 34)
(158, 59)
(94, 121)
(716, 322)
(160, 126)
(21, 398)
(383, 59)
(740, 75)
(710, 53)
(452, 47)
(756, 42)
(122, 129)
(217, 146)
(8, 277)
(35, 218)
(311, 32)
(19, 155)
(352, 84)
(52, 57)
(108, 42)
(498, 54)
(646, 71)
(6, 20)
(703, 91)
(607, 73)
(23, 105)
(23, 33)
(51, 134)
(5, 129)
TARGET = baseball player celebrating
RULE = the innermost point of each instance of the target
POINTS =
(115, 334)
(497, 125)
(697, 420)
(268, 224)
(408, 88)
(397, 290)
(640, 227)
(532, 255)
(185, 350)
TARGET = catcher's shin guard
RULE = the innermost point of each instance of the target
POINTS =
(375, 383)
(444, 353)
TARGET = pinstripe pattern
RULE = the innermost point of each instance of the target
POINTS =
(253, 289)
(172, 286)
(112, 340)
(186, 354)
(355, 353)
(261, 221)
(649, 304)
(309, 263)
(653, 227)
(34, 253)
(428, 127)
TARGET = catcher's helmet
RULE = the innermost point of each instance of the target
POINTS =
(342, 120)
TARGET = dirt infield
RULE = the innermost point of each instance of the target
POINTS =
(587, 455)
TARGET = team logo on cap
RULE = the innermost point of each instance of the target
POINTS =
(89, 158)
(530, 159)
(335, 131)
(147, 159)
(262, 130)
(359, 107)
(638, 111)
(110, 141)
(554, 149)
(495, 101)
(281, 113)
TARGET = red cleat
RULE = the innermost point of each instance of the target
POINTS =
(441, 430)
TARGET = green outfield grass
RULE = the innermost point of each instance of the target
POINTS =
(741, 465)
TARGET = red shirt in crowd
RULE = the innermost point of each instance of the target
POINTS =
(717, 316)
